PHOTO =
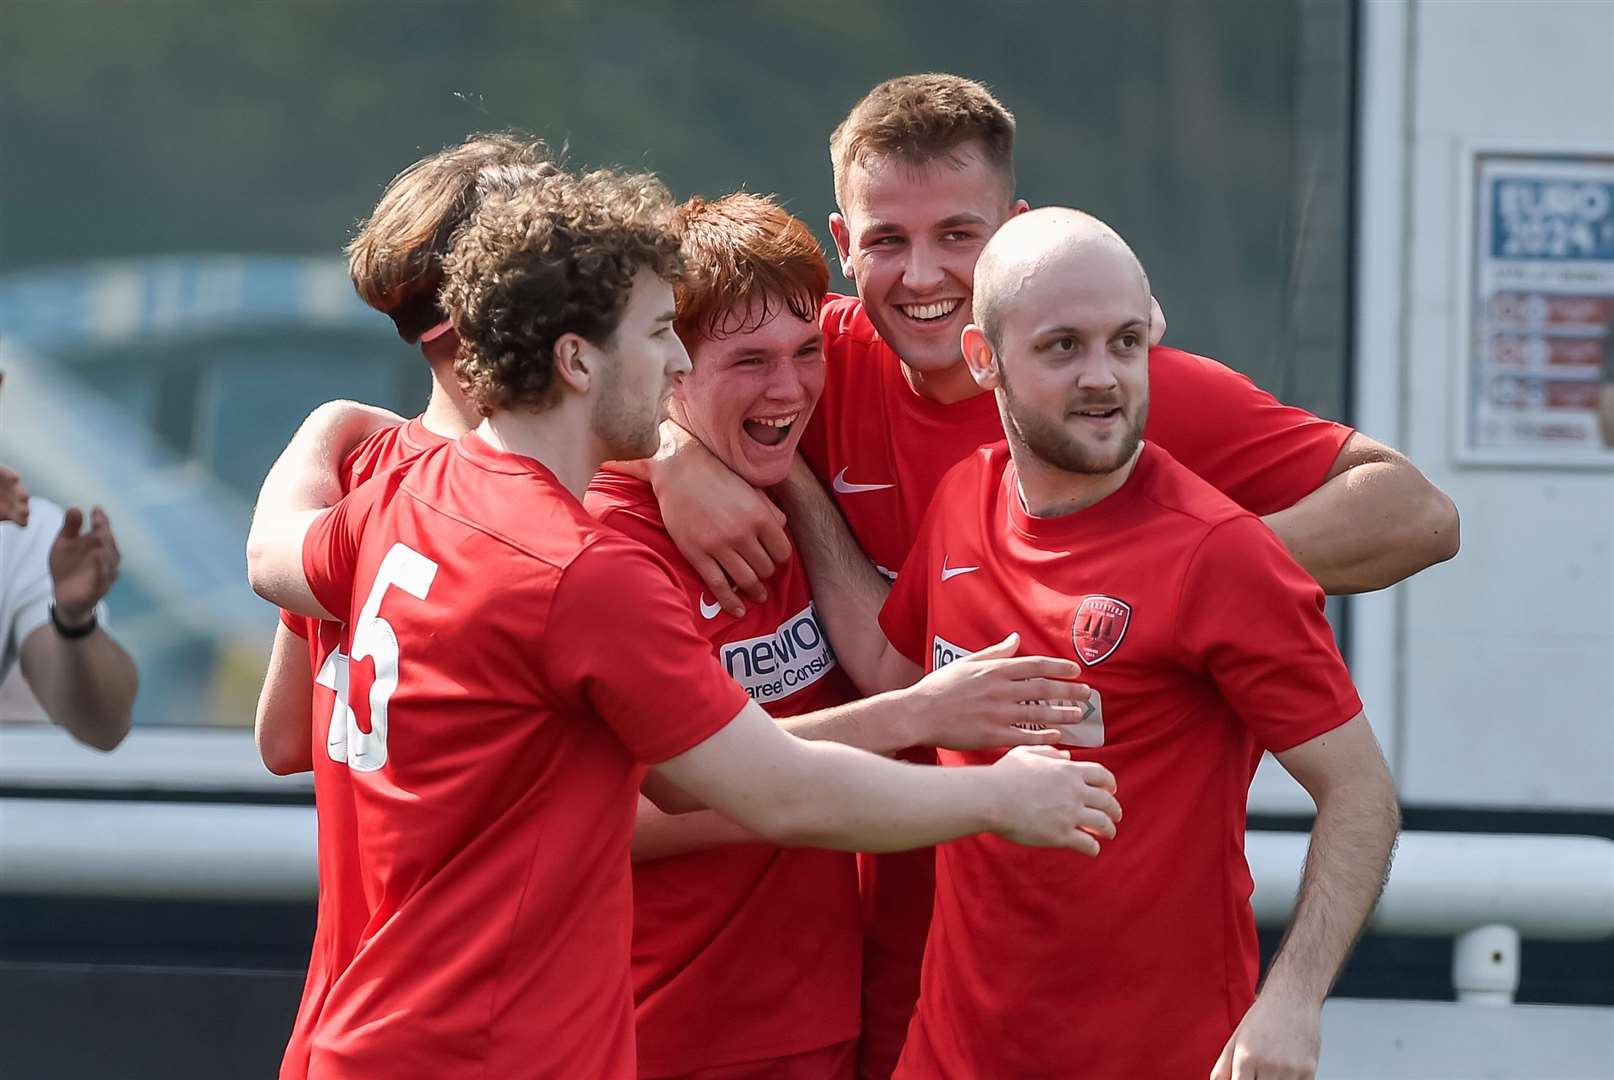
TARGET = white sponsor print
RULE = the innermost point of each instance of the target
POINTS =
(846, 487)
(1086, 730)
(944, 652)
(776, 665)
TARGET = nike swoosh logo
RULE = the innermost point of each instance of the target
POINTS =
(709, 612)
(949, 574)
(845, 488)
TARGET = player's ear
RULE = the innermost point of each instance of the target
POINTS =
(981, 357)
(843, 243)
(574, 360)
(1020, 206)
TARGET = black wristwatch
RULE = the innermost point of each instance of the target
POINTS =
(72, 632)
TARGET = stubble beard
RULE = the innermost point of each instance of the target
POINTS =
(629, 430)
(1050, 443)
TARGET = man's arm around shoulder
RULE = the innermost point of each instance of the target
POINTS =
(1375, 520)
(822, 794)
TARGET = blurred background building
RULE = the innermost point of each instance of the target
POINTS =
(1324, 191)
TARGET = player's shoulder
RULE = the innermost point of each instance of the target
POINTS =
(972, 482)
(848, 330)
(1176, 489)
(611, 492)
(1166, 362)
(628, 505)
(610, 563)
(499, 506)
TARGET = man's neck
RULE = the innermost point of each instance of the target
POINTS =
(559, 438)
(947, 386)
(448, 412)
(1047, 491)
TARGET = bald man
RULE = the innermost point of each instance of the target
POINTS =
(1204, 643)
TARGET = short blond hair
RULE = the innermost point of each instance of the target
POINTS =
(923, 118)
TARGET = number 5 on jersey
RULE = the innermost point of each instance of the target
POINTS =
(366, 751)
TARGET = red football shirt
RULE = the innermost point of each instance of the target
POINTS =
(343, 910)
(513, 663)
(1207, 644)
(883, 450)
(745, 952)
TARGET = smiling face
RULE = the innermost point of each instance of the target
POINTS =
(1068, 317)
(751, 393)
(909, 235)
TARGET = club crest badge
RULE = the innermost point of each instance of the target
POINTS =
(1099, 626)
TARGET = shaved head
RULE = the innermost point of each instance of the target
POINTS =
(1061, 334)
(1039, 241)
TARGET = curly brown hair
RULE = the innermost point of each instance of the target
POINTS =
(395, 260)
(538, 261)
(745, 248)
(921, 118)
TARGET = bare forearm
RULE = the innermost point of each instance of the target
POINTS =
(882, 724)
(87, 685)
(1346, 867)
(283, 726)
(850, 800)
(304, 479)
(1369, 527)
(847, 590)
(275, 561)
(659, 835)
(307, 475)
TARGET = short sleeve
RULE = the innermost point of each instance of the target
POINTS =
(1264, 455)
(297, 624)
(814, 444)
(1253, 620)
(906, 610)
(620, 640)
(28, 567)
(331, 548)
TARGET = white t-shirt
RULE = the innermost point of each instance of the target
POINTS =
(25, 591)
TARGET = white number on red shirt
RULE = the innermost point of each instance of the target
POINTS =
(366, 751)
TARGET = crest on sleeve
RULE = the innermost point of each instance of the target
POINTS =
(1099, 626)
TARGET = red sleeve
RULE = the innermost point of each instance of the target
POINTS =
(814, 444)
(621, 640)
(1253, 620)
(331, 549)
(1264, 455)
(297, 624)
(904, 615)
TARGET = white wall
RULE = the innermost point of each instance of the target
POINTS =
(1505, 692)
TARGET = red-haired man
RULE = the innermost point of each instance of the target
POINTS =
(746, 955)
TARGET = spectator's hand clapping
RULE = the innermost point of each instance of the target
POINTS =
(83, 564)
(13, 497)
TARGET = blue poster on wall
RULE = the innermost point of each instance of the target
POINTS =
(1542, 309)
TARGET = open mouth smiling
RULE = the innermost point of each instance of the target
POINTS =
(769, 430)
